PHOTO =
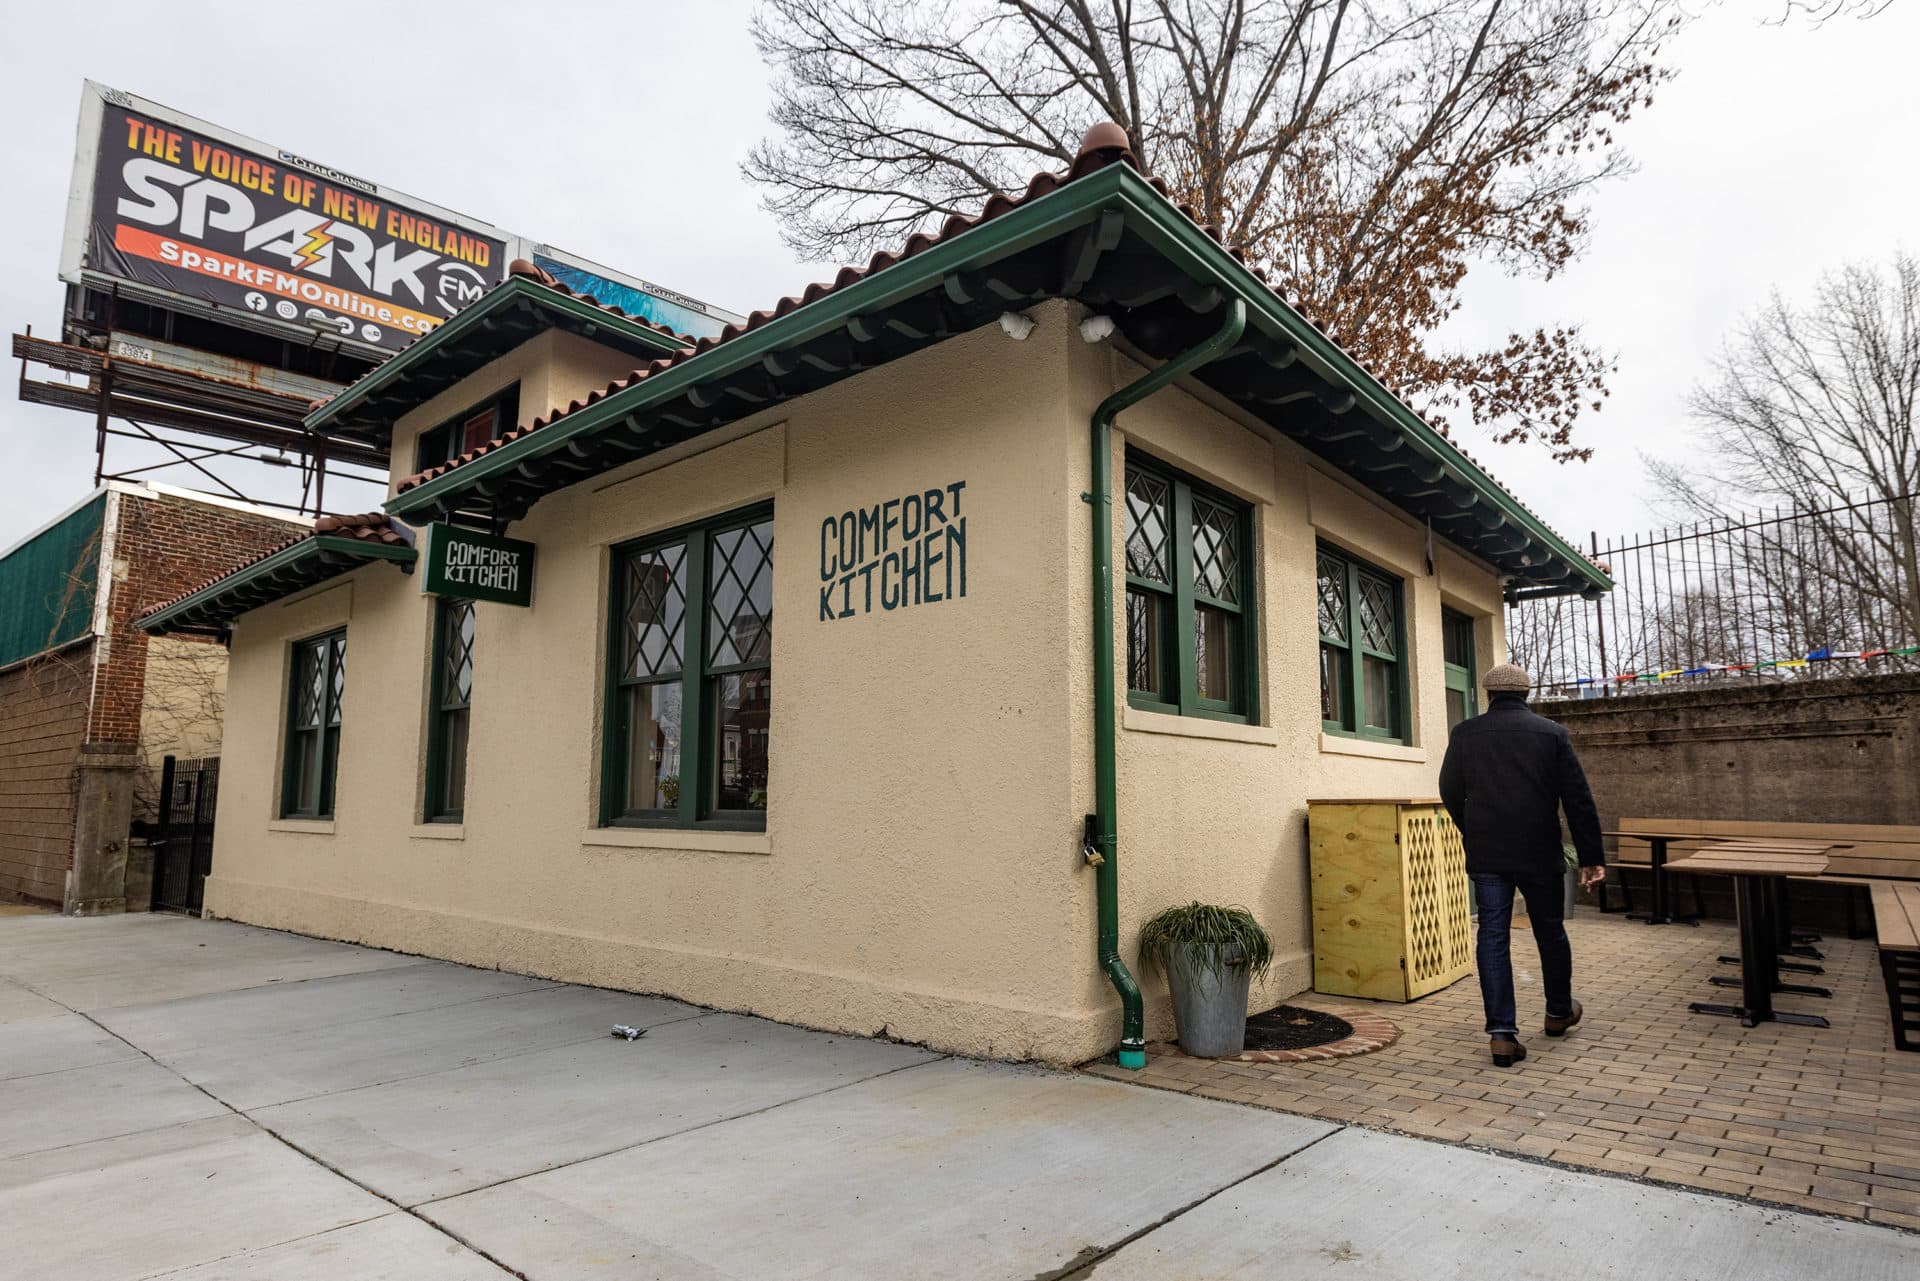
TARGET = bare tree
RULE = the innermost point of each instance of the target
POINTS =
(1818, 12)
(1369, 152)
(1814, 407)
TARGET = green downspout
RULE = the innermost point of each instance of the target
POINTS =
(1133, 1045)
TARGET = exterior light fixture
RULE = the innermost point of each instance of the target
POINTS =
(1096, 328)
(1016, 325)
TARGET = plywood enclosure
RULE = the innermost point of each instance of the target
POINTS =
(1392, 909)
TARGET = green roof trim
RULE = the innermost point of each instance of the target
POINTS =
(559, 306)
(1177, 236)
(210, 610)
(1043, 219)
(1370, 433)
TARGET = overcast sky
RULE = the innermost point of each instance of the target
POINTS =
(615, 129)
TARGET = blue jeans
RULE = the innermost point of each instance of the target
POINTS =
(1493, 895)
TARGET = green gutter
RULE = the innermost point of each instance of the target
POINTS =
(542, 296)
(1106, 784)
(286, 558)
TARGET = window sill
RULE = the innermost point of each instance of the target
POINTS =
(1133, 718)
(310, 826)
(439, 832)
(677, 838)
(1341, 745)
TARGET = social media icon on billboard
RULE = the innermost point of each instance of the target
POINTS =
(285, 310)
(371, 333)
(256, 301)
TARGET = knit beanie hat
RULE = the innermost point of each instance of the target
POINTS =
(1507, 678)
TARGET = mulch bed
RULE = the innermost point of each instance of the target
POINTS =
(1293, 1027)
(1366, 1033)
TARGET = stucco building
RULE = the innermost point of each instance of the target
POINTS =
(1091, 561)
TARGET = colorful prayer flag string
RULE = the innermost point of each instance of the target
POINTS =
(1825, 654)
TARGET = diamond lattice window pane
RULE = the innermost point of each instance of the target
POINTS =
(656, 615)
(740, 574)
(339, 676)
(1377, 621)
(310, 683)
(1149, 518)
(1333, 599)
(459, 656)
(1216, 551)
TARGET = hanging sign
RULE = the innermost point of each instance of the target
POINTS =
(475, 566)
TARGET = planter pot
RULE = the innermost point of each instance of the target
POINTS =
(1209, 1005)
(1572, 891)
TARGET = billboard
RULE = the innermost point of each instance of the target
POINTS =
(176, 211)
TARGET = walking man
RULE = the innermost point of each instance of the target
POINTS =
(1507, 776)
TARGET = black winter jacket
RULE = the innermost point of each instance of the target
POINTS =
(1507, 776)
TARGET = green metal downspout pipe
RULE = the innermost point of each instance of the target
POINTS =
(1133, 1044)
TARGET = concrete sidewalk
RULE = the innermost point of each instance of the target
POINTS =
(206, 1100)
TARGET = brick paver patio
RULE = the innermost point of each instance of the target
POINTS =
(1825, 1120)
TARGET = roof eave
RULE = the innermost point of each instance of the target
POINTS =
(191, 613)
(1149, 215)
(1174, 234)
(497, 299)
(1059, 212)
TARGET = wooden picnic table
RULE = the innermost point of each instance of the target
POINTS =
(1752, 870)
(1657, 861)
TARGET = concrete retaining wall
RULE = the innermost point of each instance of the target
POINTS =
(1816, 751)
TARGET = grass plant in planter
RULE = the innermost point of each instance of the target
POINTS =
(1210, 955)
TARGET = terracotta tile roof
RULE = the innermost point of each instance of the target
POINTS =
(369, 527)
(521, 269)
(1105, 144)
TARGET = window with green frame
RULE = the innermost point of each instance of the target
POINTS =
(451, 706)
(467, 430)
(1190, 642)
(1362, 679)
(313, 726)
(1456, 633)
(690, 676)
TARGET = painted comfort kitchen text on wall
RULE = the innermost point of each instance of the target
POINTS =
(906, 551)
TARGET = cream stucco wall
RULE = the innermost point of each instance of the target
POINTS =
(920, 872)
(1218, 812)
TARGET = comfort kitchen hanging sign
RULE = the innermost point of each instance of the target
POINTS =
(476, 566)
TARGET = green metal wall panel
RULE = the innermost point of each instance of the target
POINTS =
(47, 585)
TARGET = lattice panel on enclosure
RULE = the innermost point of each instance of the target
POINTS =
(1439, 923)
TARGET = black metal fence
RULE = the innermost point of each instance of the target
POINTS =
(182, 836)
(1768, 596)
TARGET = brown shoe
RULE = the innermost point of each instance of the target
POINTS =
(1506, 1053)
(1561, 1026)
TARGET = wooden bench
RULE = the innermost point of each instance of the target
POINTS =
(1896, 922)
(1876, 851)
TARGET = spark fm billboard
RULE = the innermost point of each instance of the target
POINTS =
(178, 211)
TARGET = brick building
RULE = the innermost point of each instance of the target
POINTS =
(89, 703)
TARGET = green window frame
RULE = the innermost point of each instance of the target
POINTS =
(1456, 643)
(315, 688)
(1191, 645)
(450, 710)
(1363, 645)
(468, 429)
(690, 626)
